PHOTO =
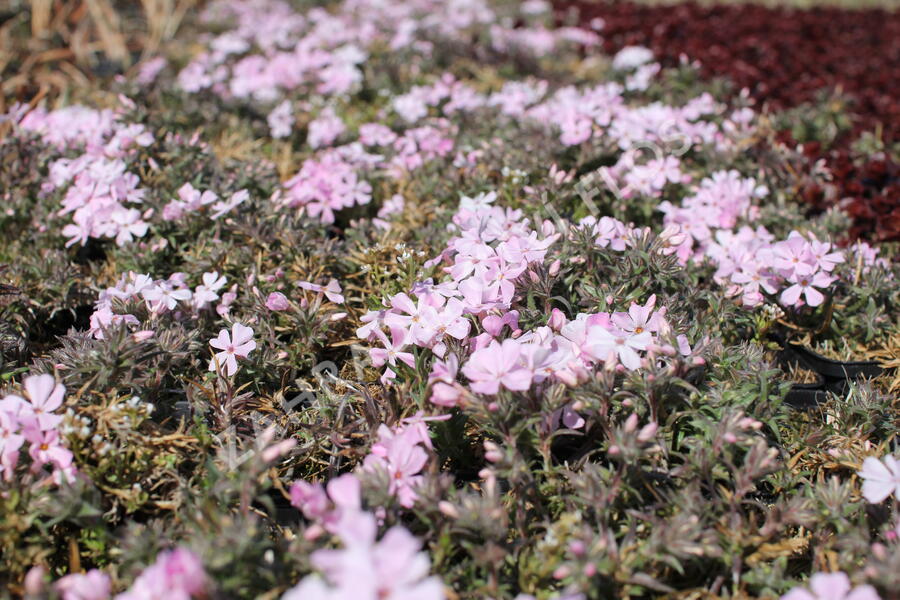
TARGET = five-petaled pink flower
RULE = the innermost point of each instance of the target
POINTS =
(238, 344)
(498, 364)
(46, 396)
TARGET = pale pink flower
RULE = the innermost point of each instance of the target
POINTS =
(238, 344)
(276, 301)
(163, 297)
(207, 292)
(601, 343)
(881, 478)
(93, 585)
(45, 395)
(498, 364)
(176, 575)
(44, 448)
(393, 349)
(390, 569)
(806, 285)
(832, 586)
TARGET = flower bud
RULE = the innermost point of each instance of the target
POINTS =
(576, 547)
(492, 452)
(631, 423)
(557, 319)
(647, 432)
(34, 581)
(554, 268)
(448, 509)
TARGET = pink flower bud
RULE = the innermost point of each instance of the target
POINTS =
(631, 423)
(576, 547)
(34, 581)
(313, 532)
(647, 432)
(548, 228)
(554, 268)
(448, 509)
(278, 450)
(492, 452)
(557, 319)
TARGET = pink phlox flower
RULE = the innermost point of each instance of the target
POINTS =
(93, 585)
(207, 292)
(45, 395)
(228, 298)
(753, 275)
(390, 569)
(162, 296)
(222, 207)
(400, 455)
(473, 257)
(310, 499)
(11, 440)
(393, 349)
(176, 575)
(45, 447)
(442, 380)
(824, 257)
(324, 129)
(417, 427)
(640, 318)
(281, 120)
(806, 284)
(832, 586)
(276, 301)
(376, 134)
(793, 256)
(498, 364)
(447, 321)
(332, 290)
(373, 319)
(493, 324)
(603, 343)
(500, 276)
(238, 344)
(881, 478)
(418, 318)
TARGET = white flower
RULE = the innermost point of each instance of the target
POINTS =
(631, 57)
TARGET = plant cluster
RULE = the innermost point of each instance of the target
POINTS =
(833, 70)
(433, 300)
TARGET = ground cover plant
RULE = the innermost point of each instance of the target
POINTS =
(837, 68)
(426, 300)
